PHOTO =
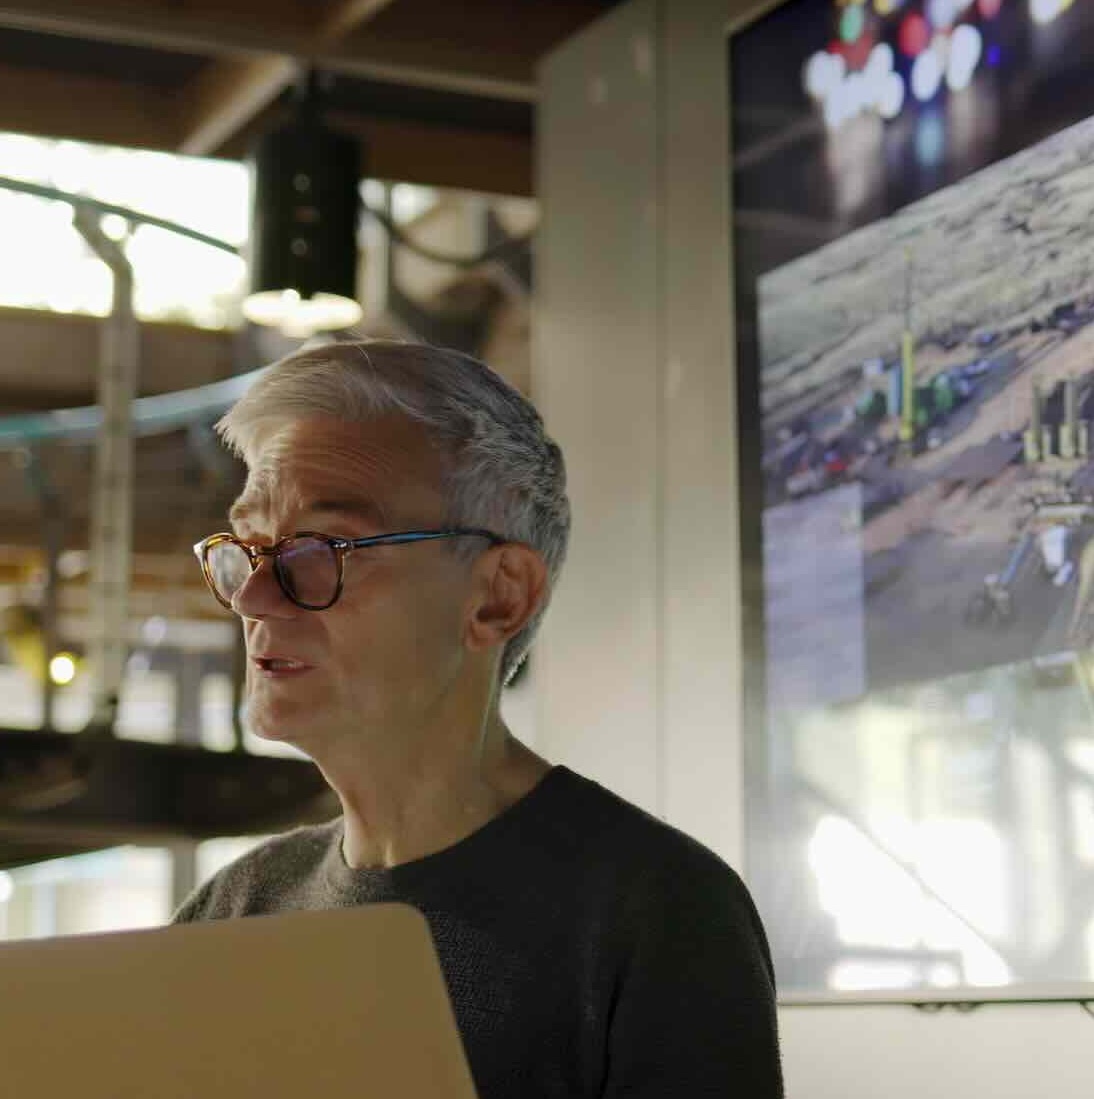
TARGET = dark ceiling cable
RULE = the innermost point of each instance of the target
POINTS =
(40, 190)
(497, 251)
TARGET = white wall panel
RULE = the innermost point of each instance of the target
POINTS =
(596, 379)
(702, 613)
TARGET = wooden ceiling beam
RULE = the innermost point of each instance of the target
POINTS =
(488, 77)
(473, 160)
(229, 94)
(208, 30)
(45, 362)
(114, 113)
(84, 108)
(202, 27)
(461, 35)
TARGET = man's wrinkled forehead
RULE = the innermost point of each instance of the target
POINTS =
(324, 465)
(271, 495)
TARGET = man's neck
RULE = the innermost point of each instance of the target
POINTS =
(402, 807)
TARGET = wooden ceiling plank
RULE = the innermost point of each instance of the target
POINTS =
(227, 96)
(110, 112)
(344, 17)
(461, 33)
(491, 76)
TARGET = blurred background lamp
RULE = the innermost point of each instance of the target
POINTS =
(303, 247)
(62, 668)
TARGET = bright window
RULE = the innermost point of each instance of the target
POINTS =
(111, 890)
(47, 265)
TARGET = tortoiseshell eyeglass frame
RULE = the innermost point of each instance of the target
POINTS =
(339, 546)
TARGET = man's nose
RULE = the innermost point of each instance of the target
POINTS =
(260, 595)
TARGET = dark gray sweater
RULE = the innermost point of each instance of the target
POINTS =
(589, 949)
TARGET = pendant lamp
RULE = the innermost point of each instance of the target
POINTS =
(303, 245)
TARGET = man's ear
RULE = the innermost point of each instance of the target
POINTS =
(509, 585)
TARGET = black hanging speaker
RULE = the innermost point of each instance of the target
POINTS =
(303, 247)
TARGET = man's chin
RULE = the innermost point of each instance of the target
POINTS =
(282, 724)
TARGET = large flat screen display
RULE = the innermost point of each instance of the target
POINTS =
(913, 212)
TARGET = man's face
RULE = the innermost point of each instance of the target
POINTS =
(386, 657)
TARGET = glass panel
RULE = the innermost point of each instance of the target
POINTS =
(216, 712)
(20, 699)
(113, 890)
(147, 709)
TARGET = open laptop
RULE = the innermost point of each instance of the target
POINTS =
(339, 1004)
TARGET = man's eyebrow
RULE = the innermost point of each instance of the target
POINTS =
(353, 507)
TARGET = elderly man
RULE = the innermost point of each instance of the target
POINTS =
(403, 522)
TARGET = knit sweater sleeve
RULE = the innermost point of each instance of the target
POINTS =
(277, 875)
(193, 908)
(694, 1013)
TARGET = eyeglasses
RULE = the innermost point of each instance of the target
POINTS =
(309, 567)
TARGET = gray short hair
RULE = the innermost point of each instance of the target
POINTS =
(502, 471)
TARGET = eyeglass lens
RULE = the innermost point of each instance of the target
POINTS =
(306, 567)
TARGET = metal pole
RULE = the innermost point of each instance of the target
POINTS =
(53, 524)
(54, 538)
(907, 358)
(112, 485)
(189, 671)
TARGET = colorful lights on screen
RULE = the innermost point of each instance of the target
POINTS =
(885, 54)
